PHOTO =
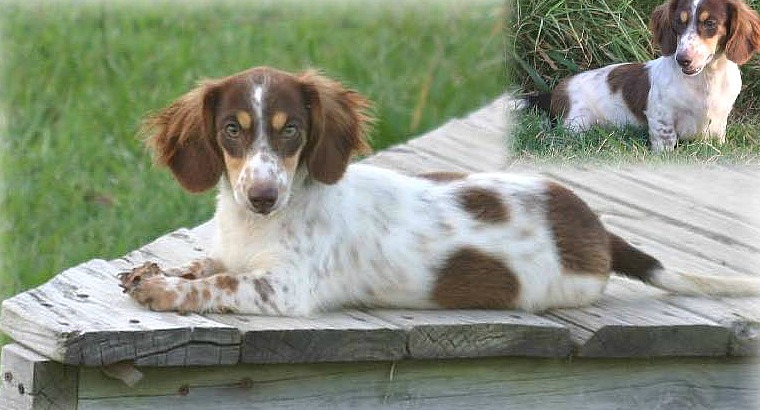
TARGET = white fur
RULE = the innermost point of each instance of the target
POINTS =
(679, 105)
(377, 237)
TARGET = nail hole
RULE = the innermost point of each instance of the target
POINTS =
(184, 390)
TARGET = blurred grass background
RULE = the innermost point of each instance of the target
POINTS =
(552, 39)
(76, 79)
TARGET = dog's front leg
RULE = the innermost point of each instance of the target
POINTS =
(662, 130)
(264, 293)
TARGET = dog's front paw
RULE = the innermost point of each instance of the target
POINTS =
(148, 285)
(131, 279)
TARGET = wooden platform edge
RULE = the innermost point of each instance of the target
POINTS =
(32, 381)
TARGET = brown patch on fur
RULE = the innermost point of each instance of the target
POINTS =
(244, 119)
(483, 204)
(234, 167)
(470, 278)
(633, 81)
(661, 25)
(581, 240)
(339, 119)
(191, 302)
(206, 294)
(443, 176)
(743, 37)
(181, 135)
(263, 288)
(560, 103)
(226, 282)
(278, 120)
(629, 261)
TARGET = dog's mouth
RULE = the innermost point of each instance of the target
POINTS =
(692, 70)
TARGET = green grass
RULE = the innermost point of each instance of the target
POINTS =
(77, 80)
(533, 140)
(552, 39)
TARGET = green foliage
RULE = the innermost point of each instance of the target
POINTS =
(552, 39)
(534, 141)
(77, 79)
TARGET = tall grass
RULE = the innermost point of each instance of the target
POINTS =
(76, 80)
(552, 39)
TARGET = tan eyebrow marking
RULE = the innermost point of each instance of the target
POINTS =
(244, 119)
(278, 120)
(684, 17)
(704, 15)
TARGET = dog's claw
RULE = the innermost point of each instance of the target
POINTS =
(130, 280)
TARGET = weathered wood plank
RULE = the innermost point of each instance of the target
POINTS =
(516, 383)
(662, 207)
(330, 337)
(81, 317)
(32, 381)
(479, 333)
(642, 327)
(709, 187)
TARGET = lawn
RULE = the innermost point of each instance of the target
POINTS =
(77, 80)
(552, 39)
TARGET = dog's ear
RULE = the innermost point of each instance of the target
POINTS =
(743, 32)
(661, 25)
(338, 126)
(182, 137)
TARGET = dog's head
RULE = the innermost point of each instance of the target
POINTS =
(698, 30)
(260, 129)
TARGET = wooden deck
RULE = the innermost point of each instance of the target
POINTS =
(81, 343)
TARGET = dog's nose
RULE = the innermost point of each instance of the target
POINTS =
(262, 198)
(683, 60)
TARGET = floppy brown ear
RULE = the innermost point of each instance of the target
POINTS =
(743, 33)
(663, 32)
(182, 137)
(338, 128)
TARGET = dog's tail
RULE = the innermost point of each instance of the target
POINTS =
(631, 262)
(542, 101)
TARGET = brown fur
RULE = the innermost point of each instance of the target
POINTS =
(470, 278)
(744, 33)
(737, 31)
(629, 261)
(184, 135)
(579, 235)
(263, 288)
(339, 118)
(226, 282)
(483, 204)
(560, 103)
(180, 138)
(633, 80)
(661, 24)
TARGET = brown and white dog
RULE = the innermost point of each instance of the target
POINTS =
(300, 230)
(687, 93)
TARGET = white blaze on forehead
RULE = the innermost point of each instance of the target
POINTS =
(257, 101)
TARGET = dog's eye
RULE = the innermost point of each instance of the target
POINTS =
(232, 129)
(290, 131)
(710, 24)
